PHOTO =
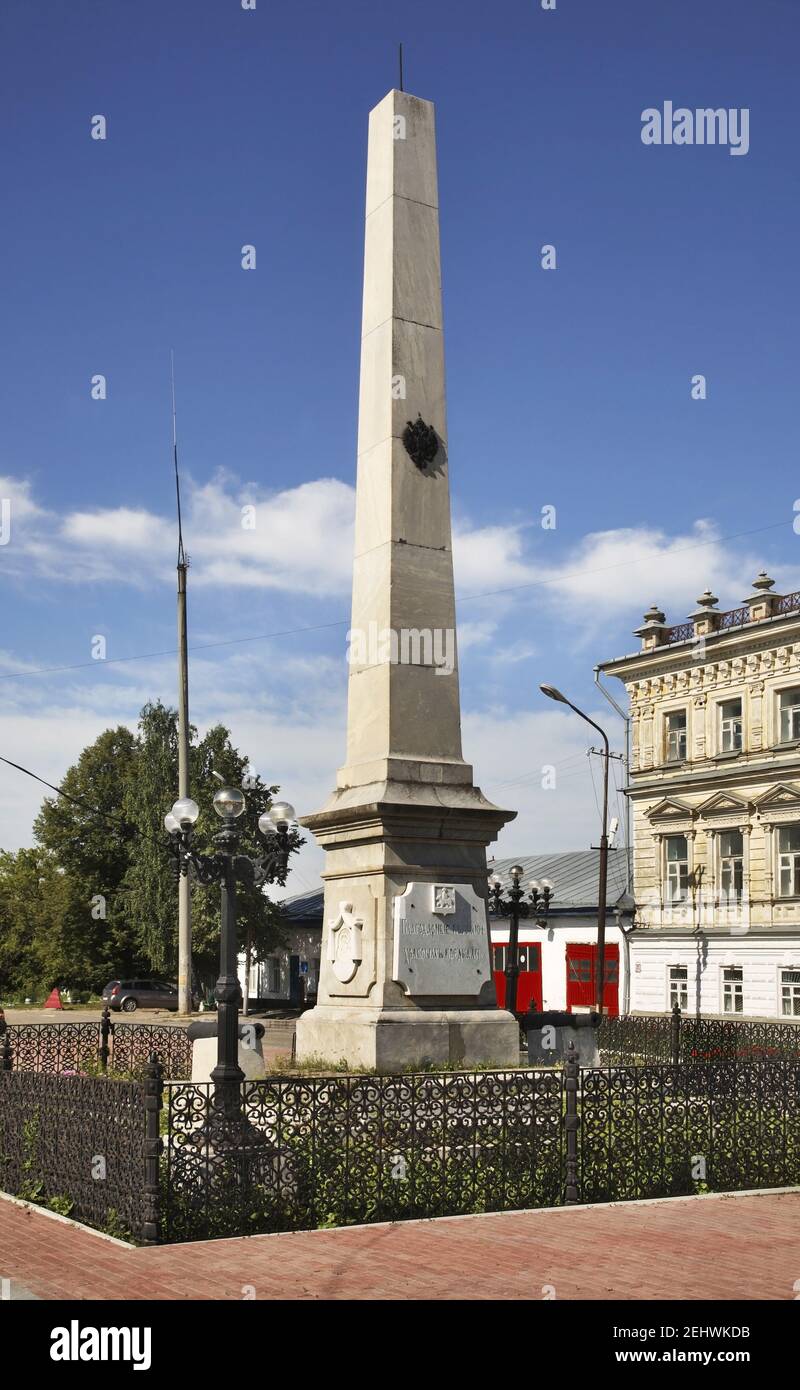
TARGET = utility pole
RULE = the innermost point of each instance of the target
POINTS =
(184, 887)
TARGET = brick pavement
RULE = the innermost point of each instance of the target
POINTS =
(722, 1247)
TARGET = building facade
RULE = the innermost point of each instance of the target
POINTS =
(289, 976)
(715, 791)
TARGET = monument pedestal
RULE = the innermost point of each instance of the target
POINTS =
(395, 1039)
(405, 976)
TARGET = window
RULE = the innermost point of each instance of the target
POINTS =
(790, 993)
(677, 858)
(790, 714)
(273, 975)
(731, 865)
(732, 987)
(579, 969)
(679, 986)
(676, 736)
(789, 860)
(730, 726)
(528, 957)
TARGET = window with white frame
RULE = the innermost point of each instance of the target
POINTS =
(731, 865)
(272, 974)
(790, 993)
(789, 706)
(676, 859)
(732, 989)
(679, 986)
(789, 861)
(730, 726)
(676, 736)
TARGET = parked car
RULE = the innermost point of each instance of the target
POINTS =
(130, 995)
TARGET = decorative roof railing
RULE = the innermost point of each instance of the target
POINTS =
(734, 617)
(787, 603)
(682, 632)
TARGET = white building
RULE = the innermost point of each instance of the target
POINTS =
(715, 793)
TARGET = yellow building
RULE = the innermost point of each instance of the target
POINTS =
(715, 792)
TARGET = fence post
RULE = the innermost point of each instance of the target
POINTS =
(6, 1055)
(105, 1033)
(571, 1125)
(153, 1102)
(676, 1034)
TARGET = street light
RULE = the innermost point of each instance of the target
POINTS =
(537, 904)
(224, 867)
(554, 694)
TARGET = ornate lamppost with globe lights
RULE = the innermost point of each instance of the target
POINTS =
(537, 904)
(225, 867)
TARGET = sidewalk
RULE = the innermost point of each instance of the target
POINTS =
(722, 1247)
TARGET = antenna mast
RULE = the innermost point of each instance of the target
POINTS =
(184, 891)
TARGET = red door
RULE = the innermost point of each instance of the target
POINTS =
(529, 983)
(582, 962)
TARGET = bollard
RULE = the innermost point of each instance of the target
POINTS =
(571, 1124)
(153, 1102)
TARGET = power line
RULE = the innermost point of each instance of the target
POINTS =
(343, 622)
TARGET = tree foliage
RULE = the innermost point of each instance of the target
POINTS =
(96, 898)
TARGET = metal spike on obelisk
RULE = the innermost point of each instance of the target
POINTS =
(405, 972)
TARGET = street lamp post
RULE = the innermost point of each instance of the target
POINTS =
(537, 904)
(225, 867)
(553, 694)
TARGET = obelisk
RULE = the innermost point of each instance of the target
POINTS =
(405, 975)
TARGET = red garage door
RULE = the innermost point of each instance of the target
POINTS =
(529, 983)
(582, 959)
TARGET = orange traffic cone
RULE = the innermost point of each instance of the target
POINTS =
(53, 1000)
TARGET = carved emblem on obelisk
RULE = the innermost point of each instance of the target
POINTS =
(421, 442)
(344, 943)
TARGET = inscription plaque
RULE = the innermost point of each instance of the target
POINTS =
(441, 952)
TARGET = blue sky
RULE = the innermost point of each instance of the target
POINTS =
(568, 387)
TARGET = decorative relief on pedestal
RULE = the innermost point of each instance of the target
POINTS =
(344, 943)
(441, 950)
(444, 899)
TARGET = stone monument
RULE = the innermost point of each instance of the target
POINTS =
(405, 976)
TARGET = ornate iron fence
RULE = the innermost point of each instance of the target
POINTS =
(132, 1045)
(641, 1040)
(331, 1151)
(664, 1131)
(350, 1149)
(53, 1048)
(76, 1143)
(59, 1048)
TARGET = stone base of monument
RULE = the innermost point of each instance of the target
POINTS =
(550, 1033)
(394, 1039)
(204, 1050)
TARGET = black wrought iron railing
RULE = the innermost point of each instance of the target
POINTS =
(62, 1048)
(663, 1131)
(149, 1160)
(681, 1039)
(77, 1145)
(351, 1149)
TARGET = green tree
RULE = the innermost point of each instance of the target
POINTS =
(149, 895)
(97, 897)
(87, 837)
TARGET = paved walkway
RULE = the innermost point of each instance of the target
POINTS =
(731, 1247)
